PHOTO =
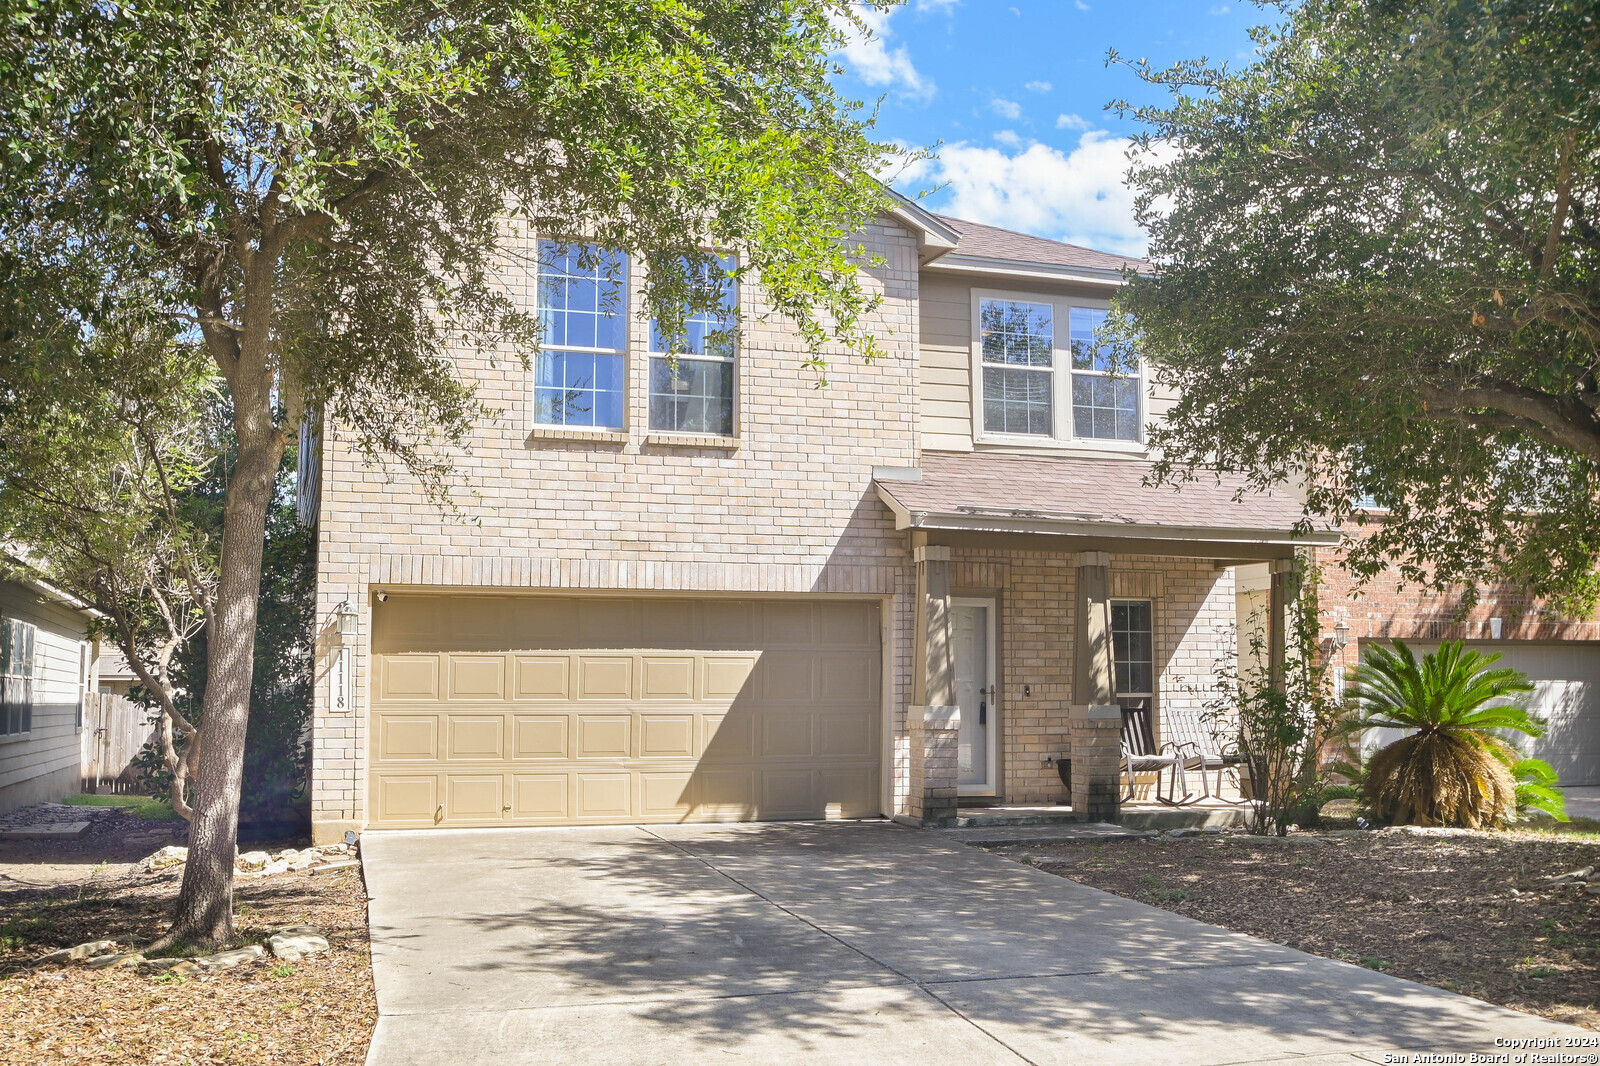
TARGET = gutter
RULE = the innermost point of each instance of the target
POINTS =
(1020, 268)
(1000, 520)
(26, 576)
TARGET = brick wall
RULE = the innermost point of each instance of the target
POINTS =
(1387, 609)
(787, 508)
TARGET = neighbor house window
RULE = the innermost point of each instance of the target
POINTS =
(16, 676)
(691, 381)
(1105, 404)
(580, 370)
(1018, 340)
(1133, 652)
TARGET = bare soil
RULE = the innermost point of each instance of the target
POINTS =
(1464, 913)
(55, 894)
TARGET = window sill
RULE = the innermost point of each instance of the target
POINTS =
(1087, 446)
(618, 436)
(693, 440)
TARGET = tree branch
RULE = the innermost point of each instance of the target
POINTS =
(1558, 218)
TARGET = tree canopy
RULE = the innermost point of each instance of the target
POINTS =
(312, 200)
(1376, 266)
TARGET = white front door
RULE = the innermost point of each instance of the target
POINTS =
(973, 625)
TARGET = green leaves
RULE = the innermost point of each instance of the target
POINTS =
(1378, 268)
(1453, 688)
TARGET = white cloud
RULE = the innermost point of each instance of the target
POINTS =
(1075, 196)
(1008, 138)
(1220, 9)
(1072, 122)
(1081, 5)
(1038, 86)
(1006, 108)
(1017, 11)
(869, 57)
(943, 7)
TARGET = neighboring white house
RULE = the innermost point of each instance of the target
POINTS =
(47, 670)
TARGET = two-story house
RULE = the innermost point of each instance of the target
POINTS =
(710, 590)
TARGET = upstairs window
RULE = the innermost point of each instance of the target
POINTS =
(1105, 405)
(1018, 341)
(580, 373)
(16, 676)
(691, 381)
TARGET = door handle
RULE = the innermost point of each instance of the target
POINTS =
(983, 712)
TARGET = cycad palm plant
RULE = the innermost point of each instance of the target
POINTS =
(1452, 770)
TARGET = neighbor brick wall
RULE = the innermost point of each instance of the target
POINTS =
(1194, 613)
(791, 509)
(1386, 608)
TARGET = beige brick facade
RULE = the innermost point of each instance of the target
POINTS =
(787, 508)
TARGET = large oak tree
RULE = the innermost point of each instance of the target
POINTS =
(312, 198)
(1377, 265)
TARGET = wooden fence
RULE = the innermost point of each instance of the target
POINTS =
(114, 729)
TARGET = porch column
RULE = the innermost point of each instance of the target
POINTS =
(935, 719)
(1285, 589)
(1095, 716)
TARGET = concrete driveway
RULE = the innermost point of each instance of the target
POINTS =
(842, 943)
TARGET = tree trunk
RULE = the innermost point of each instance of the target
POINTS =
(204, 912)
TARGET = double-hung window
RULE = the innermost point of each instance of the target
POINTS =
(16, 676)
(581, 369)
(1105, 405)
(1018, 355)
(1133, 652)
(691, 380)
(1043, 375)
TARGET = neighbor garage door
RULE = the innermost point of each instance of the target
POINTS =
(494, 710)
(1566, 679)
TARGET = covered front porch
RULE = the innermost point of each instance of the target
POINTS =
(1061, 602)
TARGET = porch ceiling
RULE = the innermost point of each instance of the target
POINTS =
(1099, 504)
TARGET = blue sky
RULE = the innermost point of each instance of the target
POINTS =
(1017, 93)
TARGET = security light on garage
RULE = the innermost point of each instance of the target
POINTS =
(344, 620)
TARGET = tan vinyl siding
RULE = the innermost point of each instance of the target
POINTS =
(946, 356)
(43, 763)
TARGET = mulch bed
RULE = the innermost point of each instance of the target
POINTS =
(1465, 913)
(320, 1009)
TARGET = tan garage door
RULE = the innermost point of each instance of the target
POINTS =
(530, 710)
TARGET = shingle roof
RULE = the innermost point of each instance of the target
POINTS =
(994, 243)
(1087, 490)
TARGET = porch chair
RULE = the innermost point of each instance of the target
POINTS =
(1203, 751)
(1140, 755)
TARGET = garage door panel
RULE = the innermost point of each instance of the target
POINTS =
(725, 677)
(475, 736)
(409, 677)
(543, 678)
(666, 795)
(730, 736)
(667, 678)
(541, 736)
(604, 736)
(408, 737)
(787, 794)
(540, 797)
(787, 735)
(605, 678)
(474, 797)
(602, 796)
(786, 677)
(407, 798)
(477, 677)
(621, 710)
(664, 736)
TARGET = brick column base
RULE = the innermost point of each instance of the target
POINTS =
(1096, 762)
(933, 765)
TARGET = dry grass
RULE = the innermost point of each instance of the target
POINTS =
(1465, 913)
(318, 1010)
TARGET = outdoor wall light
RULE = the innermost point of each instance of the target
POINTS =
(1341, 635)
(344, 620)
